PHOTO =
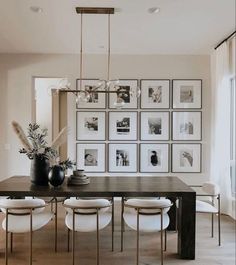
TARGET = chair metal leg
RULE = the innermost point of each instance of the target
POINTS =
(6, 240)
(55, 224)
(122, 224)
(97, 237)
(161, 237)
(73, 239)
(212, 225)
(11, 242)
(68, 240)
(165, 237)
(31, 236)
(137, 250)
(212, 217)
(112, 223)
(219, 221)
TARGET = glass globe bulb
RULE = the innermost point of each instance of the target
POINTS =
(64, 84)
(119, 105)
(138, 92)
(80, 98)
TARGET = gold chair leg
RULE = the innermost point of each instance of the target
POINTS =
(161, 237)
(73, 239)
(6, 240)
(219, 221)
(112, 223)
(137, 250)
(212, 225)
(219, 229)
(98, 256)
(212, 217)
(31, 236)
(11, 242)
(68, 240)
(165, 238)
(55, 224)
(122, 224)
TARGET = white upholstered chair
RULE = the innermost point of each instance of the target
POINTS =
(23, 216)
(212, 191)
(150, 216)
(86, 216)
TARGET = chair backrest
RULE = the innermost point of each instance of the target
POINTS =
(211, 188)
(24, 205)
(149, 206)
(87, 206)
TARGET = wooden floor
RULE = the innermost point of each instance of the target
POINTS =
(207, 253)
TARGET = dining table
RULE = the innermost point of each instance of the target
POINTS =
(183, 219)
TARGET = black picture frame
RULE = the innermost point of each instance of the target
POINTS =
(84, 105)
(187, 105)
(135, 157)
(153, 144)
(126, 106)
(190, 138)
(141, 126)
(104, 156)
(120, 138)
(142, 93)
(187, 145)
(92, 139)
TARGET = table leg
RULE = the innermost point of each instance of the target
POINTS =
(186, 226)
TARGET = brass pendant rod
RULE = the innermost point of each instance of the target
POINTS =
(81, 50)
(109, 47)
(81, 90)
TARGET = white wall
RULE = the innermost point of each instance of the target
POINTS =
(16, 72)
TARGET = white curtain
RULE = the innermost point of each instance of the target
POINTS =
(220, 164)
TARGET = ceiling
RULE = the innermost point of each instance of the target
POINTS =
(181, 26)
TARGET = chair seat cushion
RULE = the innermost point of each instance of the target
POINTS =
(21, 224)
(204, 207)
(147, 223)
(87, 222)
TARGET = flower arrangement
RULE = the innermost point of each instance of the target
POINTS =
(35, 144)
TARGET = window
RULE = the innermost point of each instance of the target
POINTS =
(233, 135)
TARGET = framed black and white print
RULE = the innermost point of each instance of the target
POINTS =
(186, 158)
(187, 94)
(123, 98)
(94, 100)
(91, 157)
(154, 158)
(122, 125)
(154, 126)
(122, 157)
(187, 126)
(90, 126)
(155, 94)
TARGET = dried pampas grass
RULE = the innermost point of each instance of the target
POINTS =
(60, 139)
(21, 135)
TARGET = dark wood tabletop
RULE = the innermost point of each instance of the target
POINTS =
(99, 186)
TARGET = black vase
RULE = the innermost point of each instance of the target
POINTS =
(39, 170)
(56, 176)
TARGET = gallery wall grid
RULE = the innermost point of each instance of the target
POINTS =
(169, 134)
